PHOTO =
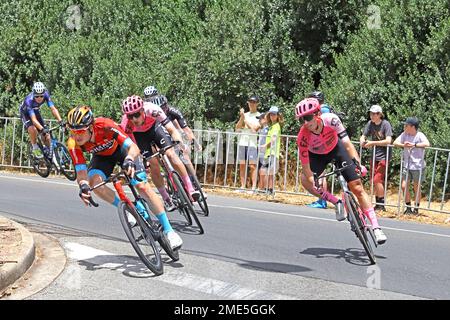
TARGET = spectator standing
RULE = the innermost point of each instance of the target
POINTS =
(262, 128)
(413, 143)
(273, 143)
(248, 143)
(380, 132)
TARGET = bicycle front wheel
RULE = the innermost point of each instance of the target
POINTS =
(186, 202)
(353, 209)
(40, 166)
(65, 162)
(140, 238)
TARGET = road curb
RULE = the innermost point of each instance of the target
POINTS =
(10, 272)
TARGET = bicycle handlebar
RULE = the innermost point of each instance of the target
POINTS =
(335, 171)
(163, 150)
(112, 178)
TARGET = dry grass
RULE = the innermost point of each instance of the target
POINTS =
(427, 217)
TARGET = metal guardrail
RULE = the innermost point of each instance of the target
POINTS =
(218, 165)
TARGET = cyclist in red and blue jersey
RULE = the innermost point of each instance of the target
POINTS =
(110, 145)
(31, 116)
(146, 124)
(322, 139)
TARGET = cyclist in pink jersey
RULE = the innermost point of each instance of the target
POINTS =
(145, 123)
(322, 139)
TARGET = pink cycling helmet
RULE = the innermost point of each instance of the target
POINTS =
(307, 106)
(132, 104)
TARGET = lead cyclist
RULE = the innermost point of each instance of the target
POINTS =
(322, 139)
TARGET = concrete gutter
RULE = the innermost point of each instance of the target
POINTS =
(11, 271)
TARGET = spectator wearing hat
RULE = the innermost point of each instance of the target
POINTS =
(413, 143)
(248, 142)
(273, 144)
(380, 132)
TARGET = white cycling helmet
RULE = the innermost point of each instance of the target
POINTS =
(150, 91)
(38, 88)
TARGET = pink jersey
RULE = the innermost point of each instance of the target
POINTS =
(321, 143)
(152, 113)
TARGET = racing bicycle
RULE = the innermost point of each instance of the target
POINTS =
(359, 223)
(142, 227)
(55, 157)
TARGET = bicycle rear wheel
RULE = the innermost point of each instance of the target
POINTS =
(161, 236)
(40, 166)
(186, 202)
(141, 238)
(202, 200)
(360, 230)
(65, 161)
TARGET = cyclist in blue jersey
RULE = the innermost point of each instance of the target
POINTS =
(31, 116)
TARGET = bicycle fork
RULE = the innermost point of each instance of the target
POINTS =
(138, 205)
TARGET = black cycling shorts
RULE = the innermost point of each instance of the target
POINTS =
(157, 134)
(104, 165)
(26, 119)
(318, 162)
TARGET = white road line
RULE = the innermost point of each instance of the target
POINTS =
(210, 286)
(325, 219)
(248, 209)
(73, 184)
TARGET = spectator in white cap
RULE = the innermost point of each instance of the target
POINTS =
(380, 132)
(413, 143)
(271, 164)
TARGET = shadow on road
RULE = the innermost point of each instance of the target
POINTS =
(353, 256)
(130, 266)
(183, 227)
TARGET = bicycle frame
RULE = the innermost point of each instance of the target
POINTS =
(349, 194)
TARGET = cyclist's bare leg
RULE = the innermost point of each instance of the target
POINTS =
(152, 198)
(156, 206)
(357, 188)
(32, 131)
(155, 173)
(180, 168)
(105, 193)
(157, 179)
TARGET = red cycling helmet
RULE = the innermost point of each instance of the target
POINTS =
(307, 106)
(132, 104)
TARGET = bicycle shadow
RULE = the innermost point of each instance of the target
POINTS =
(353, 256)
(130, 266)
(183, 227)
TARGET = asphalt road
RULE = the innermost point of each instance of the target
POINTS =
(250, 249)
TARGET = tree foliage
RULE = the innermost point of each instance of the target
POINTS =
(207, 56)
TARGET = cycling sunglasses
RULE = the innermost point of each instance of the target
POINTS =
(134, 115)
(308, 117)
(78, 131)
(39, 96)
